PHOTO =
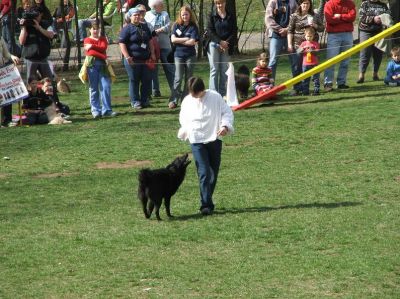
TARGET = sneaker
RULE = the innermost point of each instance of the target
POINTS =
(110, 114)
(172, 105)
(328, 87)
(360, 81)
(96, 116)
(376, 78)
(157, 94)
(343, 86)
(137, 106)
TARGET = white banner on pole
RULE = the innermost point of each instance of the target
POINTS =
(12, 87)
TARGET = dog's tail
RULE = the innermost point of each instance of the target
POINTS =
(142, 195)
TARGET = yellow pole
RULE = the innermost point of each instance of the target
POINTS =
(342, 56)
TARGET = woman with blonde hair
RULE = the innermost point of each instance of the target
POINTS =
(184, 35)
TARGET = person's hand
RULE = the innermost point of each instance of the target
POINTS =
(129, 60)
(159, 30)
(337, 16)
(283, 32)
(36, 24)
(377, 20)
(290, 49)
(224, 44)
(87, 47)
(15, 59)
(223, 131)
(153, 57)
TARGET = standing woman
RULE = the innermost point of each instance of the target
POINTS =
(303, 17)
(184, 35)
(222, 31)
(135, 45)
(160, 21)
(370, 25)
(47, 19)
(99, 77)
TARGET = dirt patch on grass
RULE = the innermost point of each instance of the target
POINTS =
(120, 99)
(126, 164)
(2, 176)
(54, 175)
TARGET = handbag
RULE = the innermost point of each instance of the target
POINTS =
(29, 51)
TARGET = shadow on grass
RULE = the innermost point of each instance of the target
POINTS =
(223, 211)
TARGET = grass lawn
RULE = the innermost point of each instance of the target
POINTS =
(307, 202)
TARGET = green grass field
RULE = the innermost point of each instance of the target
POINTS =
(306, 203)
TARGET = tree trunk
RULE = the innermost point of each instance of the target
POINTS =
(395, 10)
(78, 44)
(231, 7)
(66, 37)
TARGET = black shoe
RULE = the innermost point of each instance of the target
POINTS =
(157, 94)
(206, 211)
(343, 86)
(376, 78)
(360, 81)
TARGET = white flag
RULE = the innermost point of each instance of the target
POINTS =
(231, 96)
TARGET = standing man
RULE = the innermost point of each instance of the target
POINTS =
(339, 16)
(205, 118)
(277, 17)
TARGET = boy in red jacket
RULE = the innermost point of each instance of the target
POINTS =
(339, 15)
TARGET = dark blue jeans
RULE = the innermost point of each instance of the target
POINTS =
(315, 78)
(139, 83)
(208, 159)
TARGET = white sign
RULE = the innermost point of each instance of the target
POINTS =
(12, 87)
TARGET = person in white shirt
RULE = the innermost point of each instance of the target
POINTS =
(204, 118)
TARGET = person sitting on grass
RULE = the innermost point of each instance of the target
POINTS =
(393, 68)
(310, 60)
(35, 104)
(262, 80)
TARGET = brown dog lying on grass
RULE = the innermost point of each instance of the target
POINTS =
(158, 184)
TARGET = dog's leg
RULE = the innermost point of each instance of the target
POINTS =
(158, 211)
(143, 200)
(167, 206)
(151, 207)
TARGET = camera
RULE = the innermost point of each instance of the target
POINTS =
(28, 17)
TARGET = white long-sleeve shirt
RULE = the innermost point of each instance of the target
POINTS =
(202, 118)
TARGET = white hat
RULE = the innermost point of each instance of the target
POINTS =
(153, 3)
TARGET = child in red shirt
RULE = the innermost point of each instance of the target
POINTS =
(309, 48)
(262, 80)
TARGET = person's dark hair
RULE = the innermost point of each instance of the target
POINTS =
(310, 10)
(195, 85)
(395, 51)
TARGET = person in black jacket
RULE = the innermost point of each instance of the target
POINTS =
(35, 38)
(222, 31)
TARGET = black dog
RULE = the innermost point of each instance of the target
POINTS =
(242, 81)
(156, 184)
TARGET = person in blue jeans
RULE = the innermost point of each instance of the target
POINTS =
(160, 21)
(205, 118)
(277, 17)
(339, 16)
(222, 30)
(99, 77)
(135, 45)
(184, 35)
